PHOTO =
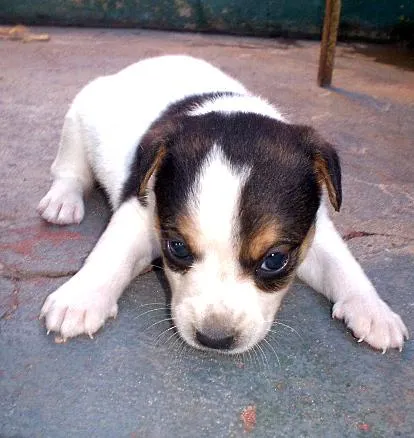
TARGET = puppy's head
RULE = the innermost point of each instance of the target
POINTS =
(236, 201)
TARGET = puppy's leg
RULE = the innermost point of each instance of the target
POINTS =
(330, 269)
(126, 248)
(63, 203)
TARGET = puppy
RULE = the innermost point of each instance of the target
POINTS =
(200, 171)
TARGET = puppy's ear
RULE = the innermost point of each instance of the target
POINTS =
(149, 156)
(326, 164)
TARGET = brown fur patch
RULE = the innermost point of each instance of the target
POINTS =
(156, 163)
(323, 176)
(187, 228)
(254, 247)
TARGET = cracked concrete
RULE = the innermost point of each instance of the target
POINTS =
(136, 378)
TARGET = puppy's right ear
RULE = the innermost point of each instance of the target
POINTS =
(149, 155)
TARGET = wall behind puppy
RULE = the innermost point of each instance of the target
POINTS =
(368, 19)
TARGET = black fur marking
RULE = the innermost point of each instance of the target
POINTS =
(284, 184)
(161, 132)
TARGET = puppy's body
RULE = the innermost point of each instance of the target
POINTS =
(212, 178)
(114, 112)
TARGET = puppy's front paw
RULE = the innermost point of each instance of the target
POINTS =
(63, 203)
(76, 309)
(372, 321)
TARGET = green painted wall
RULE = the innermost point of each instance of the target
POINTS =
(367, 18)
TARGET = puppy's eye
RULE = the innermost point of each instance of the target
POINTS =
(178, 249)
(273, 264)
(179, 252)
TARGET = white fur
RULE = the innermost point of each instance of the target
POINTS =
(110, 115)
(244, 104)
(214, 203)
(100, 133)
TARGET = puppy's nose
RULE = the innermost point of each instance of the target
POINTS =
(215, 340)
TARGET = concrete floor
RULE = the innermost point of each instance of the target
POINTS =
(133, 379)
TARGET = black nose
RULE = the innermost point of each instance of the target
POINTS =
(216, 342)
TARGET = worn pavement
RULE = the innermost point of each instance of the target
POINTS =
(134, 379)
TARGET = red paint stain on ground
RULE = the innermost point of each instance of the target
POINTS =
(248, 417)
(365, 427)
(28, 238)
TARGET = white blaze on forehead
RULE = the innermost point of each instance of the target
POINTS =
(238, 104)
(215, 204)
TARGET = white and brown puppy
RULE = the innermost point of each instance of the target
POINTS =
(213, 179)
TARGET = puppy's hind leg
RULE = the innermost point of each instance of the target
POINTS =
(72, 177)
(330, 269)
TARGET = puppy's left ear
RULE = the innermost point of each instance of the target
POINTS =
(326, 164)
(149, 156)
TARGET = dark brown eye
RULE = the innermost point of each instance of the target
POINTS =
(179, 252)
(272, 265)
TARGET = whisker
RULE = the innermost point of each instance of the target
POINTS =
(246, 355)
(181, 349)
(164, 332)
(257, 359)
(251, 357)
(155, 304)
(281, 320)
(238, 359)
(288, 327)
(167, 342)
(264, 357)
(274, 351)
(150, 311)
(175, 334)
(178, 340)
(158, 322)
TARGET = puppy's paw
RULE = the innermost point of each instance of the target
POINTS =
(76, 309)
(63, 203)
(372, 321)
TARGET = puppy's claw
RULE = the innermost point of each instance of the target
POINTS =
(47, 333)
(372, 321)
(90, 335)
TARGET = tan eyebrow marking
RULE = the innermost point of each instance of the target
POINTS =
(254, 246)
(189, 231)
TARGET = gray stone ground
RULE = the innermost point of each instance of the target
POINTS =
(133, 379)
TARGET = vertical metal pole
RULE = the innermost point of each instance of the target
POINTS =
(328, 44)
